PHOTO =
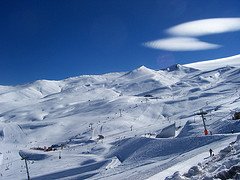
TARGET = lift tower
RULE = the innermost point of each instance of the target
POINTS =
(202, 114)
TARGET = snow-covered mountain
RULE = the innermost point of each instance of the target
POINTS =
(216, 63)
(105, 126)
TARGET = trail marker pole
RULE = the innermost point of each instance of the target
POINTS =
(24, 157)
(59, 155)
(27, 169)
(120, 112)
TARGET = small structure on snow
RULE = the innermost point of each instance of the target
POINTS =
(167, 132)
(236, 116)
(148, 95)
(100, 137)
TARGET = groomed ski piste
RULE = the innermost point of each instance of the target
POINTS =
(105, 126)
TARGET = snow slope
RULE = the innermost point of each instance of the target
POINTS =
(214, 64)
(127, 110)
(224, 165)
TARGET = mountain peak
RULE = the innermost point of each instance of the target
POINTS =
(179, 67)
(143, 68)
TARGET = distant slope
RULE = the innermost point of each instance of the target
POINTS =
(217, 63)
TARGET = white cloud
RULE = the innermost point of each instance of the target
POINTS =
(206, 27)
(183, 34)
(180, 44)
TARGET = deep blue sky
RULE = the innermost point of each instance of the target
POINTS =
(56, 39)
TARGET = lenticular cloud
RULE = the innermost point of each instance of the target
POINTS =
(206, 27)
(180, 44)
(184, 35)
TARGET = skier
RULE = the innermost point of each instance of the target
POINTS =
(211, 152)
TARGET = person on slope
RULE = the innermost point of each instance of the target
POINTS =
(211, 152)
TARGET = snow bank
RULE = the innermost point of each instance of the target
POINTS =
(114, 163)
(141, 149)
(167, 132)
(226, 126)
(224, 165)
(33, 155)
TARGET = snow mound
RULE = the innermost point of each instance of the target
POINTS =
(35, 90)
(114, 163)
(145, 149)
(32, 155)
(167, 132)
(190, 128)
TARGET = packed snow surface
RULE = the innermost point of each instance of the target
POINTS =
(105, 126)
